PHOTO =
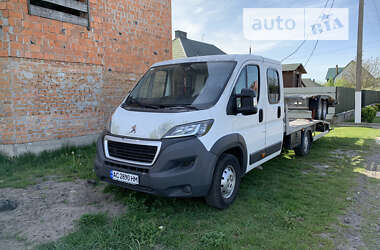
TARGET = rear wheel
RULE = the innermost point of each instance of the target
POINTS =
(319, 110)
(324, 110)
(225, 183)
(304, 148)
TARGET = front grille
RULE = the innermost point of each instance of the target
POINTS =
(132, 152)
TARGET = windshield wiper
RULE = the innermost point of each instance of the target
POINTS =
(132, 100)
(187, 106)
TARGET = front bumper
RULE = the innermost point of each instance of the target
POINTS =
(183, 168)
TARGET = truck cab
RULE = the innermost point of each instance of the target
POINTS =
(194, 127)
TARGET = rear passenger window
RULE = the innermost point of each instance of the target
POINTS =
(273, 86)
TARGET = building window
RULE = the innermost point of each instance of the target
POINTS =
(70, 11)
(273, 86)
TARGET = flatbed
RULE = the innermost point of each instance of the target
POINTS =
(300, 124)
(294, 128)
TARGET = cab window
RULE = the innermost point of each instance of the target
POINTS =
(241, 82)
(253, 79)
(249, 78)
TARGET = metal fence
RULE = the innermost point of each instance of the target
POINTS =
(370, 97)
(346, 99)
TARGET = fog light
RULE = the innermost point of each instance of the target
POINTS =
(187, 189)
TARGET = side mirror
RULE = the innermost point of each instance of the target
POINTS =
(247, 101)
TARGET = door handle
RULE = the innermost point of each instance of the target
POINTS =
(278, 112)
(261, 115)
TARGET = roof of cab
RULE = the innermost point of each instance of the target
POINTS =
(237, 58)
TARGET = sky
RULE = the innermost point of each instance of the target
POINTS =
(219, 22)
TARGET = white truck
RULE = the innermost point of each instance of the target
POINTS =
(194, 127)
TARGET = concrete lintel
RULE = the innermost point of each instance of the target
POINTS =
(13, 150)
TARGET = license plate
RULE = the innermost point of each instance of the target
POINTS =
(124, 177)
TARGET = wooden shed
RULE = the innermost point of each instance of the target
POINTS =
(292, 74)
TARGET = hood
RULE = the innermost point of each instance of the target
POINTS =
(151, 125)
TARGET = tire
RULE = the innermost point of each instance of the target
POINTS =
(318, 113)
(324, 110)
(304, 148)
(225, 182)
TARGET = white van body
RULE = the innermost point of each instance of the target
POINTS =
(251, 139)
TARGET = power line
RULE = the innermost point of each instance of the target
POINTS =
(312, 52)
(295, 51)
(303, 42)
(343, 50)
(316, 43)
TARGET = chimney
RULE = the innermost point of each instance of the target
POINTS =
(180, 34)
(337, 70)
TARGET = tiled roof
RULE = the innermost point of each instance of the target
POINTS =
(307, 82)
(293, 67)
(331, 73)
(195, 48)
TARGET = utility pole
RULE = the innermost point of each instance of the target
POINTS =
(358, 91)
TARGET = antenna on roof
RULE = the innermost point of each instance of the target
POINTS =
(250, 47)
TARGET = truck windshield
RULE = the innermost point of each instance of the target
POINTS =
(195, 85)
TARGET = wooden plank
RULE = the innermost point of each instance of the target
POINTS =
(72, 4)
(57, 15)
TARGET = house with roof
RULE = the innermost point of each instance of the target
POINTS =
(292, 75)
(333, 72)
(309, 83)
(348, 74)
(184, 47)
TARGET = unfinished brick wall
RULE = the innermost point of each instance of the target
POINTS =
(61, 80)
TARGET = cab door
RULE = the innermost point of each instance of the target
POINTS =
(275, 112)
(251, 127)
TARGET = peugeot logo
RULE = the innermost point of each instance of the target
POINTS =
(133, 130)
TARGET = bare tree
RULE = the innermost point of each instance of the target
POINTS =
(372, 65)
(370, 75)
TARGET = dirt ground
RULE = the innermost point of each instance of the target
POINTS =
(360, 226)
(47, 211)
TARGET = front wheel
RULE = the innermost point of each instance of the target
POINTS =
(225, 183)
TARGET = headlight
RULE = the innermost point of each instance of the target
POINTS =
(196, 128)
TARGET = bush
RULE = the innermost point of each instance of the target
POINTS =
(378, 107)
(369, 114)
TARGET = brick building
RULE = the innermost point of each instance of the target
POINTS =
(65, 64)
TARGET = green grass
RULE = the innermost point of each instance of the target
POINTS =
(285, 206)
(66, 164)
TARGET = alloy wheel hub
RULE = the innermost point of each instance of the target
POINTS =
(227, 182)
